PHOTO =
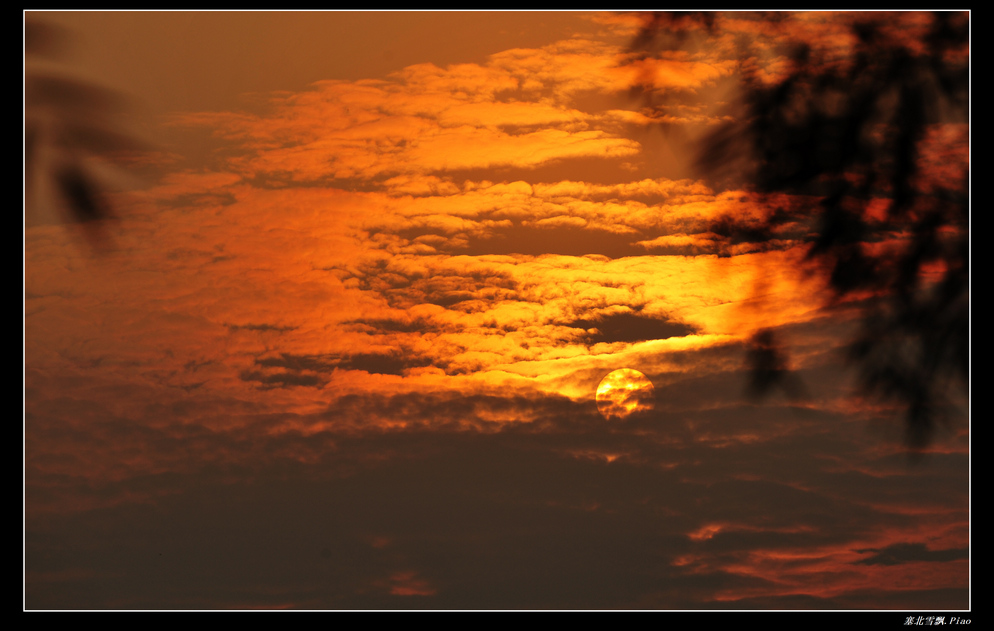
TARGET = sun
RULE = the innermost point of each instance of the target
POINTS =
(624, 392)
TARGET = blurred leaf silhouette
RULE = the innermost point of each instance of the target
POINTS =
(768, 368)
(850, 133)
(71, 129)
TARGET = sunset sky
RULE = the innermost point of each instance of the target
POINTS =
(340, 345)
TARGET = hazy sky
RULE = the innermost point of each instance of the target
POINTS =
(340, 347)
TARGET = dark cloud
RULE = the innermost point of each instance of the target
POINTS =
(312, 370)
(558, 510)
(298, 363)
(374, 325)
(659, 159)
(630, 327)
(273, 380)
(260, 327)
(566, 241)
(486, 520)
(188, 200)
(899, 553)
(384, 363)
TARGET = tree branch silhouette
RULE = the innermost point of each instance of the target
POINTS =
(69, 124)
(851, 132)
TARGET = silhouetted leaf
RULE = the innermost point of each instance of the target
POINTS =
(44, 40)
(80, 193)
(69, 125)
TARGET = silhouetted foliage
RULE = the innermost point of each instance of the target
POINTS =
(768, 368)
(850, 135)
(44, 40)
(68, 125)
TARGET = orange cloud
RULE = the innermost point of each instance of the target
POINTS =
(515, 110)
